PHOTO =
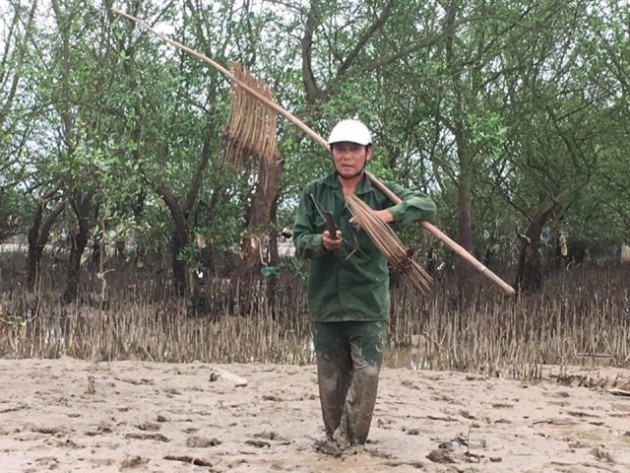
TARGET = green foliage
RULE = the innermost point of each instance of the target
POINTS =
(295, 267)
(268, 271)
(524, 103)
(15, 211)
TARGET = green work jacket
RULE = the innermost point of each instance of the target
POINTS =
(351, 284)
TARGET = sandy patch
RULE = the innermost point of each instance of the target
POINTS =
(75, 416)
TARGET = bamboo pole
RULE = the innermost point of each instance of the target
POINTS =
(289, 116)
(441, 236)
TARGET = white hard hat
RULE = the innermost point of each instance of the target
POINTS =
(350, 130)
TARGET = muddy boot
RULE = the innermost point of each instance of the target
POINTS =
(343, 435)
(333, 377)
(361, 398)
(328, 447)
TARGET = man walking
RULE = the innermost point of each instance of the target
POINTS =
(348, 284)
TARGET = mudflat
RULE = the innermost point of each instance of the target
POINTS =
(69, 415)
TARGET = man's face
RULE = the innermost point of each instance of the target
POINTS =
(350, 158)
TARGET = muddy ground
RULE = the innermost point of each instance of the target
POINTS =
(77, 416)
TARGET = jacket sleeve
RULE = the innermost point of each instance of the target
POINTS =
(308, 243)
(413, 205)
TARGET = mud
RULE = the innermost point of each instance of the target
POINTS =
(75, 416)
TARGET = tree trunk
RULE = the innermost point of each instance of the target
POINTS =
(97, 240)
(78, 241)
(465, 273)
(464, 152)
(180, 213)
(38, 236)
(77, 247)
(530, 268)
(179, 241)
(529, 278)
(257, 232)
(33, 265)
(180, 268)
(34, 249)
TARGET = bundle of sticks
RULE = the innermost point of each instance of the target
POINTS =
(251, 131)
(386, 240)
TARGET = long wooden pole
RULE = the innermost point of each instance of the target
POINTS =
(440, 235)
(433, 230)
(228, 75)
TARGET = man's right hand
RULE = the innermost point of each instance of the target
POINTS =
(331, 244)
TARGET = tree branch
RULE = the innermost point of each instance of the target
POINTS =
(313, 21)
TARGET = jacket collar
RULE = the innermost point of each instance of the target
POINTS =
(364, 187)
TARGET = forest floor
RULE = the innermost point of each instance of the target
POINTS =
(68, 415)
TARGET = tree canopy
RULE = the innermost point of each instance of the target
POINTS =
(512, 115)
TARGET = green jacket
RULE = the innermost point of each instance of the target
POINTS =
(353, 283)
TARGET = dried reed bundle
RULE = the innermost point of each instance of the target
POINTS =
(251, 129)
(390, 245)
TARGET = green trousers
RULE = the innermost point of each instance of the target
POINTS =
(349, 356)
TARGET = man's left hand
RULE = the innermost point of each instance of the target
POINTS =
(385, 215)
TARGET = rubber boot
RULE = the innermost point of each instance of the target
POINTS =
(333, 376)
(356, 418)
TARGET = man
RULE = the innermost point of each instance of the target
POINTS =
(348, 284)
